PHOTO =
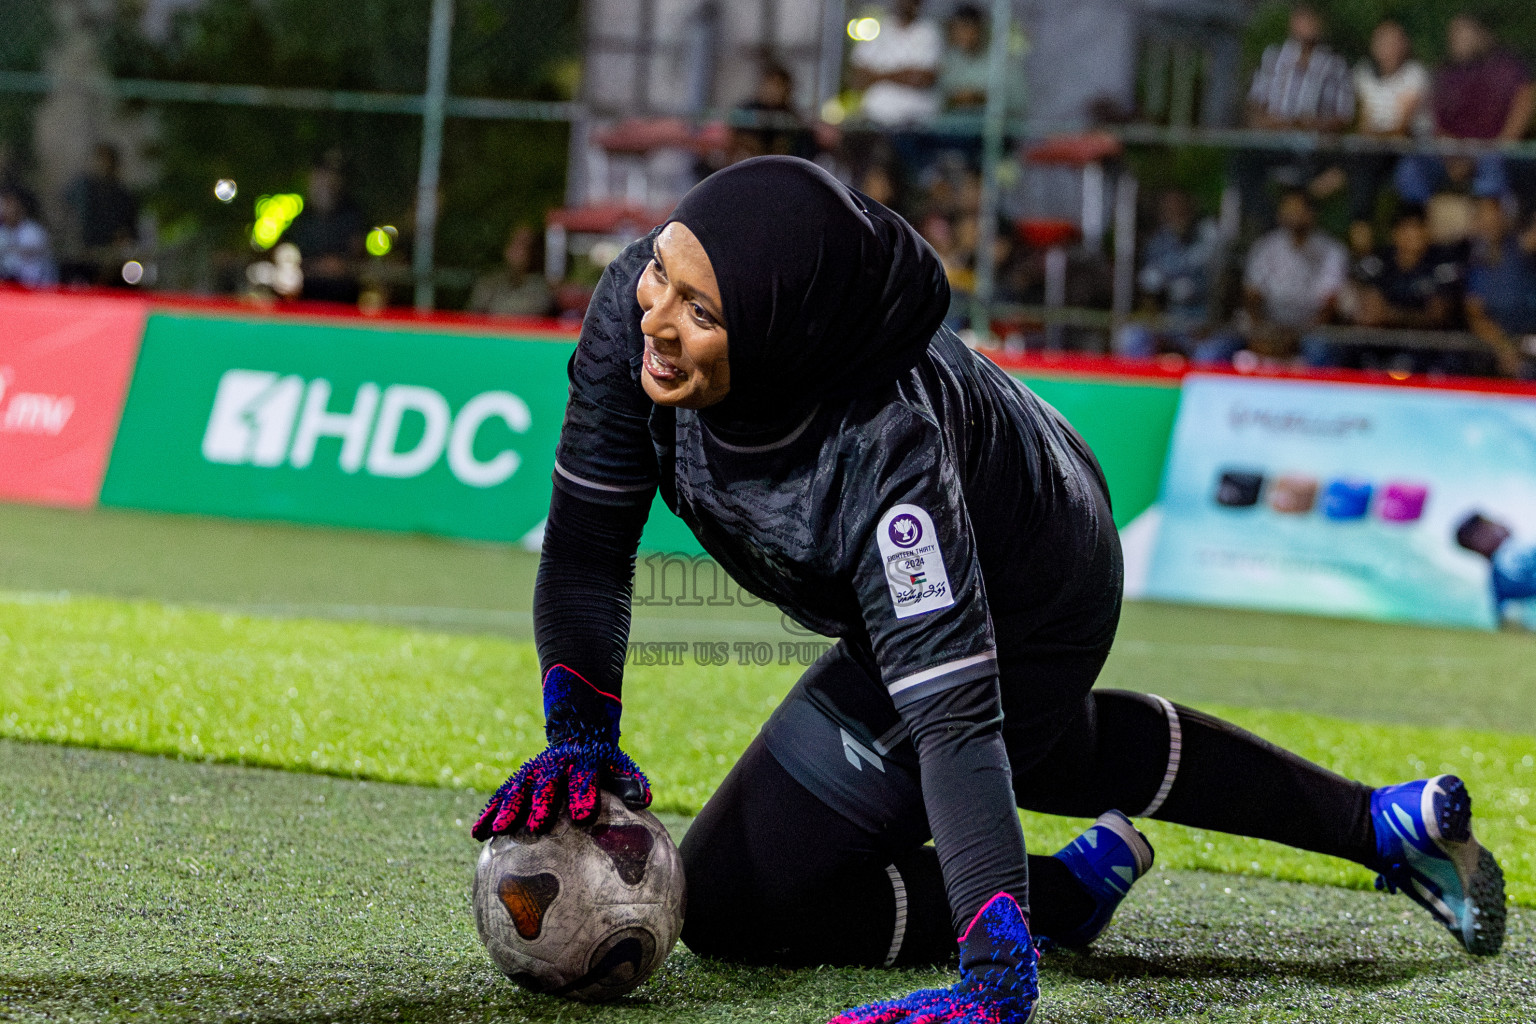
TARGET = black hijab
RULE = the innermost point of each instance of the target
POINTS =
(826, 293)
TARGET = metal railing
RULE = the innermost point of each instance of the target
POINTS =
(991, 126)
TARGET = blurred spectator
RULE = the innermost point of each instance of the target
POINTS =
(939, 232)
(1450, 218)
(1292, 280)
(1178, 267)
(1410, 283)
(1485, 92)
(25, 258)
(516, 288)
(1391, 88)
(1179, 259)
(1301, 85)
(329, 234)
(105, 218)
(1392, 91)
(1501, 288)
(897, 69)
(881, 183)
(787, 136)
(965, 69)
(13, 178)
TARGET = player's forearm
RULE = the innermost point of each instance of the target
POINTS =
(968, 794)
(581, 599)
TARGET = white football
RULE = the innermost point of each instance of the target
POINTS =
(586, 912)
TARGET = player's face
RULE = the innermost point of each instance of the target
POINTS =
(685, 345)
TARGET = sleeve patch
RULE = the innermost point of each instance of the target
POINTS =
(912, 562)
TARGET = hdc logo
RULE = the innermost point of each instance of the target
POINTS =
(264, 419)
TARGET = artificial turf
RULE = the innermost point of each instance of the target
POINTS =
(148, 888)
(400, 705)
(142, 888)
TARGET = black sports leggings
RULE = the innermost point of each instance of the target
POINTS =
(776, 876)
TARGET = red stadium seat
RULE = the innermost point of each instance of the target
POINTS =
(1075, 150)
(1045, 233)
(609, 217)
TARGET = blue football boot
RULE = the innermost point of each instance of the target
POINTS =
(1107, 859)
(1424, 840)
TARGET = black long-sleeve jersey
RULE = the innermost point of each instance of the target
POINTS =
(933, 523)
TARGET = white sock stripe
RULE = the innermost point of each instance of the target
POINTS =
(899, 890)
(1175, 752)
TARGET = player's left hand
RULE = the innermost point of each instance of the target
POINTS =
(999, 982)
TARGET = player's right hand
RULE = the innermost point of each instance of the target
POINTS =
(999, 978)
(583, 756)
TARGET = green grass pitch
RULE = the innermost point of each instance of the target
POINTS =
(182, 889)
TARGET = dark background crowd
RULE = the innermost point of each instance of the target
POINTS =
(1401, 256)
(1377, 260)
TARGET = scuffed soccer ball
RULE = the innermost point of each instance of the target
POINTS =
(586, 912)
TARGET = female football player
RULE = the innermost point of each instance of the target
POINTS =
(772, 360)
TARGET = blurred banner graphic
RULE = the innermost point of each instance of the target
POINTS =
(64, 368)
(343, 425)
(1413, 504)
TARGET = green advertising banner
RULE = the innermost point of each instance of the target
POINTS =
(1127, 422)
(379, 427)
(351, 426)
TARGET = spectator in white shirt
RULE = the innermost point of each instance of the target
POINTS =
(25, 258)
(1392, 92)
(899, 68)
(1391, 88)
(1292, 280)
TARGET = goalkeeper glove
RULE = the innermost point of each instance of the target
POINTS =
(581, 723)
(998, 979)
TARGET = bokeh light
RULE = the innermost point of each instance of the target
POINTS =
(225, 190)
(379, 242)
(862, 30)
(133, 272)
(273, 215)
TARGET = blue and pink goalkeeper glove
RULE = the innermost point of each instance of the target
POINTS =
(581, 723)
(998, 979)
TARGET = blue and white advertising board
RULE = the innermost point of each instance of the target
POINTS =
(1393, 503)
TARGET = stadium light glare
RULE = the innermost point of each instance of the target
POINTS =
(862, 30)
(273, 215)
(379, 242)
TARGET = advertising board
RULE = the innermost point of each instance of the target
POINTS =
(347, 426)
(64, 368)
(1409, 504)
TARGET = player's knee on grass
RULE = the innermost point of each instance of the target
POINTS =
(1115, 757)
(853, 919)
(734, 913)
(775, 876)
